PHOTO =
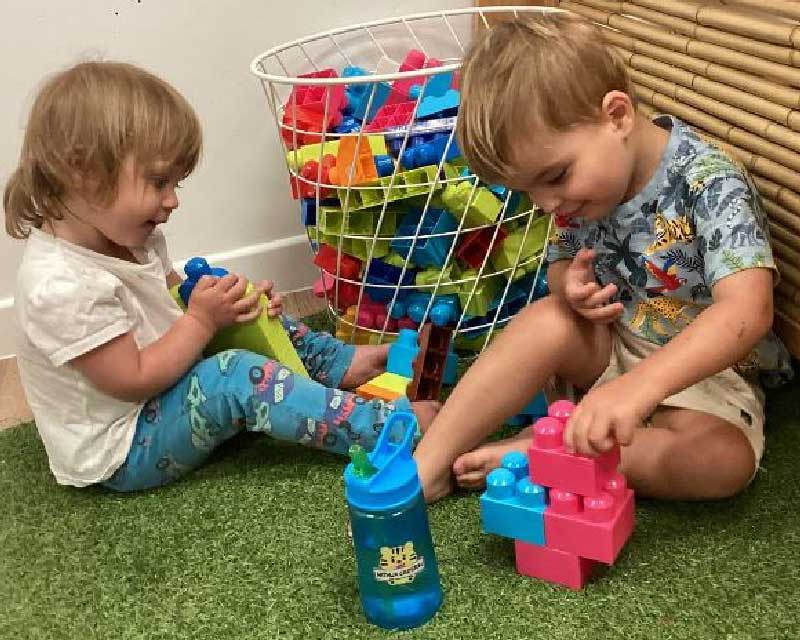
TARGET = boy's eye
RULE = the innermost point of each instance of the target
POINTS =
(159, 182)
(557, 176)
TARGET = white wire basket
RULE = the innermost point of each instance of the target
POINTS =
(401, 230)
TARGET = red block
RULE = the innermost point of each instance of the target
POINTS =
(593, 527)
(552, 565)
(326, 257)
(475, 245)
(346, 296)
(391, 115)
(371, 314)
(553, 466)
(413, 61)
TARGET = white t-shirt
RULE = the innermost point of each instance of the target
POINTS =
(69, 301)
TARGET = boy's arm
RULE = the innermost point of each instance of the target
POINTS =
(723, 334)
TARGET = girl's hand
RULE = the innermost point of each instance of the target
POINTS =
(275, 299)
(214, 300)
(584, 295)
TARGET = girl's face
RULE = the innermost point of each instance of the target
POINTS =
(146, 196)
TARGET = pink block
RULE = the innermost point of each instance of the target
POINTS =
(594, 527)
(553, 565)
(553, 466)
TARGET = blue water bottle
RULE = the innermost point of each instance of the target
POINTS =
(398, 577)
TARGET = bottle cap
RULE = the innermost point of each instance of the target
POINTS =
(388, 477)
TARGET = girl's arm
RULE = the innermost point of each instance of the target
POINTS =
(123, 370)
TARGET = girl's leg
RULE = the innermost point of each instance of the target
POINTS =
(331, 361)
(237, 390)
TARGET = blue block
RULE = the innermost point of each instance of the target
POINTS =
(430, 152)
(511, 507)
(358, 95)
(428, 252)
(380, 272)
(195, 269)
(348, 125)
(384, 165)
(402, 353)
(450, 366)
(536, 408)
(444, 310)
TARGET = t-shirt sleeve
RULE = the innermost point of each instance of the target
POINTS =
(731, 227)
(65, 317)
(568, 237)
(159, 244)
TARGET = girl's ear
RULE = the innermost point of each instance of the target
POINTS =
(617, 108)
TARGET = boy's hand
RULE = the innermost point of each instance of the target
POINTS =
(214, 300)
(607, 414)
(583, 293)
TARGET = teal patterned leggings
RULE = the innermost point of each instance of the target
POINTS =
(236, 390)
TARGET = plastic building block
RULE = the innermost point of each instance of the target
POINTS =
(359, 95)
(343, 296)
(313, 175)
(438, 96)
(346, 330)
(445, 309)
(296, 158)
(384, 165)
(264, 334)
(333, 221)
(477, 205)
(431, 251)
(430, 152)
(475, 299)
(327, 257)
(348, 125)
(421, 127)
(195, 269)
(355, 163)
(391, 115)
(413, 61)
(402, 353)
(428, 279)
(556, 467)
(552, 565)
(536, 408)
(371, 314)
(594, 527)
(405, 184)
(504, 257)
(388, 277)
(513, 508)
(318, 98)
(429, 364)
(473, 247)
(386, 386)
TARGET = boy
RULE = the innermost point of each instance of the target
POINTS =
(661, 275)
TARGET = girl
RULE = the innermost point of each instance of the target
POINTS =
(111, 368)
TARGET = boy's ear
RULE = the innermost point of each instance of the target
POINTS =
(618, 109)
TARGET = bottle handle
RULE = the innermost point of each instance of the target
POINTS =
(386, 451)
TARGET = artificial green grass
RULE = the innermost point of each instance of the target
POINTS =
(253, 545)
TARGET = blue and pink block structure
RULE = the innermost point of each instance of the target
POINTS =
(566, 512)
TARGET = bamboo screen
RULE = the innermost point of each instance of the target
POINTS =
(731, 69)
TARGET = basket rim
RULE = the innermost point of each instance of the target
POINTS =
(386, 77)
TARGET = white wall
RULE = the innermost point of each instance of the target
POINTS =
(237, 203)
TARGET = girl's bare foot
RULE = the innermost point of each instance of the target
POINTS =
(434, 486)
(471, 469)
(368, 362)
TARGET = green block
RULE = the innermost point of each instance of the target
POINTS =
(505, 256)
(431, 277)
(478, 207)
(264, 335)
(297, 158)
(361, 222)
(407, 184)
(486, 290)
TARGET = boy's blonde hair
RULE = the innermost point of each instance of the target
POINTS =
(541, 72)
(83, 123)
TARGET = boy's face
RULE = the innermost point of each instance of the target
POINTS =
(585, 172)
(146, 196)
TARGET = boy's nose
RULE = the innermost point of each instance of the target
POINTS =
(170, 200)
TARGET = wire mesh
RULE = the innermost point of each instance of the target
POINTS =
(402, 231)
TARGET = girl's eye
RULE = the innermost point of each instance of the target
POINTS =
(159, 182)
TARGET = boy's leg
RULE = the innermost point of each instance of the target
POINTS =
(237, 390)
(688, 455)
(546, 338)
(330, 361)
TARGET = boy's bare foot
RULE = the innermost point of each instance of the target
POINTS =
(426, 411)
(434, 487)
(368, 362)
(471, 469)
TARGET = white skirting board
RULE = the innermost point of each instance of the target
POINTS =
(286, 261)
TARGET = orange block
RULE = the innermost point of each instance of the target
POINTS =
(353, 151)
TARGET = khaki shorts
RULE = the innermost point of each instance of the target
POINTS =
(726, 394)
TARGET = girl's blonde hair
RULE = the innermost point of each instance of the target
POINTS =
(542, 72)
(84, 122)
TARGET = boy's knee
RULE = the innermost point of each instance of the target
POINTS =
(729, 455)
